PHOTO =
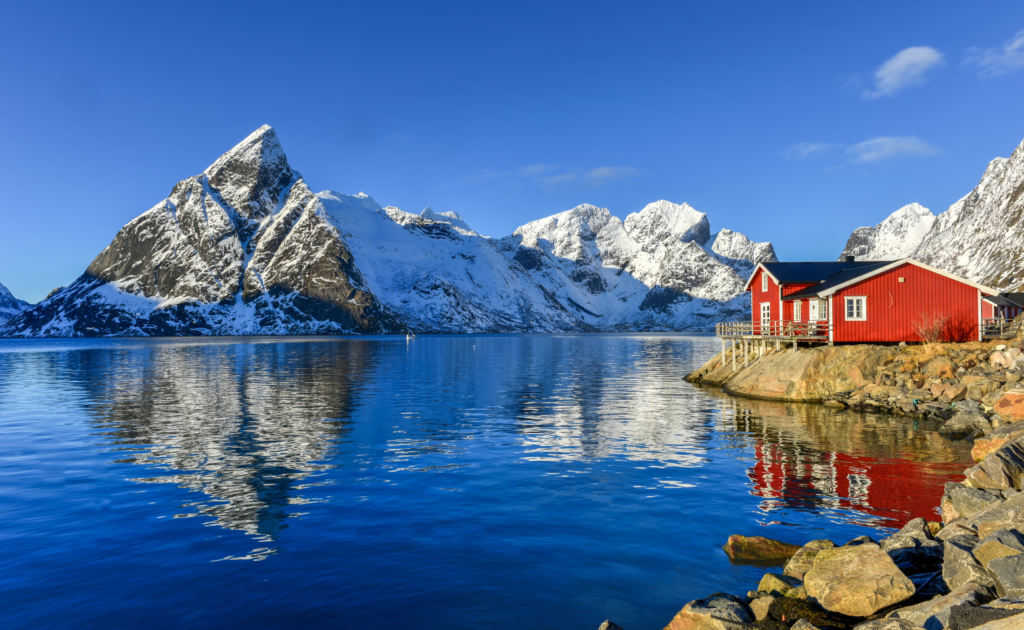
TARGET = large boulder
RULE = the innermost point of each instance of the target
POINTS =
(935, 612)
(757, 549)
(857, 581)
(720, 611)
(1008, 573)
(1001, 470)
(981, 388)
(1015, 622)
(1008, 514)
(969, 501)
(959, 566)
(1011, 405)
(965, 617)
(949, 513)
(968, 421)
(953, 393)
(887, 624)
(1000, 544)
(803, 560)
(995, 439)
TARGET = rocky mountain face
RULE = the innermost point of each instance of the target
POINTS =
(978, 237)
(10, 305)
(246, 247)
(894, 238)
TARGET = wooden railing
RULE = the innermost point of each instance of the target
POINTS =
(1001, 328)
(782, 330)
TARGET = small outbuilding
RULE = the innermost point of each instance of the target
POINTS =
(853, 301)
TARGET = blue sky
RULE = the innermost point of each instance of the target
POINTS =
(791, 122)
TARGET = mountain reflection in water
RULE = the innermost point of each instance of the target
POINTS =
(387, 481)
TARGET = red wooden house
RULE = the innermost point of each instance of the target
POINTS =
(853, 301)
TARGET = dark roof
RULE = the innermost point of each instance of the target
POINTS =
(1016, 298)
(844, 275)
(808, 272)
(998, 300)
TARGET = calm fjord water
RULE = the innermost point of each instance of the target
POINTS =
(543, 481)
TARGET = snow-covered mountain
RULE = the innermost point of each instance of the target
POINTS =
(247, 248)
(894, 238)
(980, 237)
(10, 305)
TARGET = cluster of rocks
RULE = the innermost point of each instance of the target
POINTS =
(912, 385)
(965, 572)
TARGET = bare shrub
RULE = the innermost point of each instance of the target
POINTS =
(930, 327)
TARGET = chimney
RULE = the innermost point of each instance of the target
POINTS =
(849, 259)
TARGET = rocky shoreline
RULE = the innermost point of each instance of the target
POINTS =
(965, 572)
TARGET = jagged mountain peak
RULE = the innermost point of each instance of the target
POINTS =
(452, 218)
(897, 236)
(735, 246)
(663, 220)
(254, 174)
(10, 305)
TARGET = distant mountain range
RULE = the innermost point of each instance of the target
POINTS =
(980, 237)
(247, 248)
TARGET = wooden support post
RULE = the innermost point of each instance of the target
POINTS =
(794, 345)
(746, 354)
(733, 355)
(723, 352)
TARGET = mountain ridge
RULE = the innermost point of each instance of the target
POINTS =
(246, 247)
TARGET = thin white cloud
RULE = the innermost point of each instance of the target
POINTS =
(906, 68)
(887, 147)
(551, 176)
(603, 174)
(995, 61)
(555, 181)
(802, 150)
(536, 170)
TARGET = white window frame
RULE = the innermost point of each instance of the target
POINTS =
(823, 309)
(766, 321)
(864, 306)
(764, 282)
(797, 311)
(813, 306)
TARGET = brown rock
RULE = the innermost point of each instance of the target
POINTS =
(760, 606)
(717, 612)
(775, 584)
(979, 389)
(1015, 622)
(935, 612)
(758, 549)
(938, 389)
(1000, 544)
(953, 393)
(1000, 470)
(972, 378)
(857, 581)
(609, 625)
(992, 442)
(803, 560)
(1011, 405)
(1008, 514)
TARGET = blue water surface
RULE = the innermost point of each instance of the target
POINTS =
(541, 481)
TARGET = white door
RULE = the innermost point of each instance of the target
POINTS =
(812, 310)
(766, 317)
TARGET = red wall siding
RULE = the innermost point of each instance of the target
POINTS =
(757, 296)
(893, 306)
(787, 306)
(986, 310)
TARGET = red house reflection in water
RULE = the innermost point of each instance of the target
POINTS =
(886, 491)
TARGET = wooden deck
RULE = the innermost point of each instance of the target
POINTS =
(755, 338)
